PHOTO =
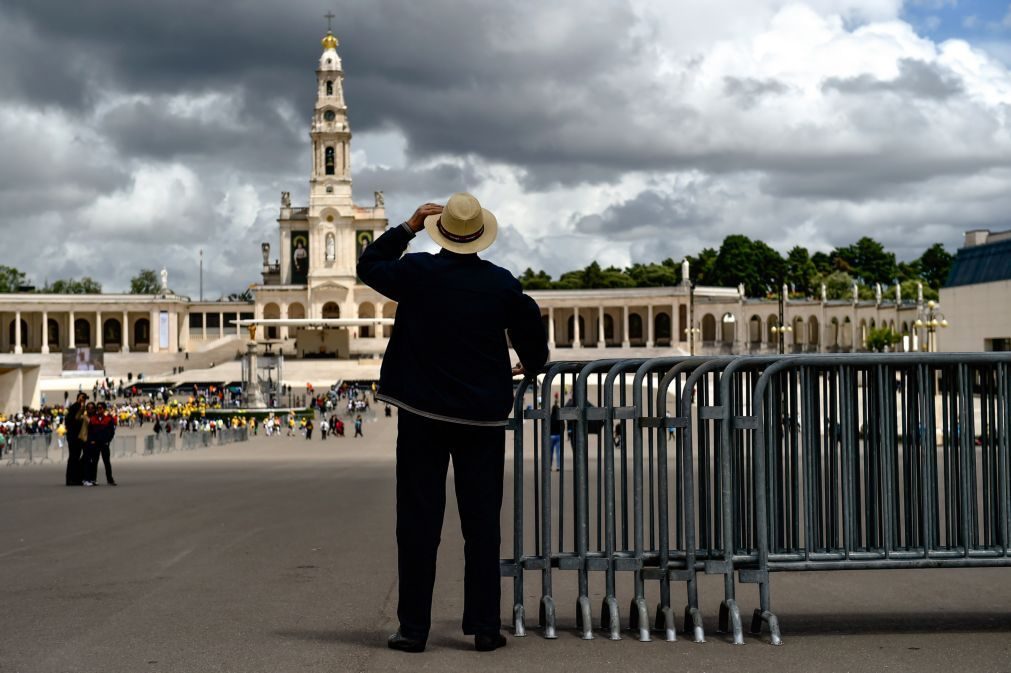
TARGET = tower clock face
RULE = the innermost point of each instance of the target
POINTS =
(329, 115)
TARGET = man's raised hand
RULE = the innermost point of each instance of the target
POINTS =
(417, 221)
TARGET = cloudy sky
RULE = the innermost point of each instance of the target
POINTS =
(135, 133)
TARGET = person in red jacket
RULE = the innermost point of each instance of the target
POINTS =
(101, 430)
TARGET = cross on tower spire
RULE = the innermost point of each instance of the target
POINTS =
(329, 16)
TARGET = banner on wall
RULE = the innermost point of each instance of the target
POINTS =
(83, 360)
(163, 330)
(299, 257)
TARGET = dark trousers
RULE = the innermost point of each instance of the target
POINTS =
(424, 448)
(75, 472)
(89, 462)
(92, 452)
(104, 452)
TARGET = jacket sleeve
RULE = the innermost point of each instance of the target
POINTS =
(526, 332)
(380, 266)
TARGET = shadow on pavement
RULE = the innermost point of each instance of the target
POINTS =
(373, 639)
(896, 622)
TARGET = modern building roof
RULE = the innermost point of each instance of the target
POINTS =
(977, 264)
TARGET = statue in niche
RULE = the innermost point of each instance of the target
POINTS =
(286, 199)
(331, 248)
(380, 200)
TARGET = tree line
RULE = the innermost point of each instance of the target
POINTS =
(763, 271)
(14, 280)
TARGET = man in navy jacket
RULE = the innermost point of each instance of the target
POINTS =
(447, 368)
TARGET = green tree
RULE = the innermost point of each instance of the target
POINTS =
(880, 339)
(753, 263)
(800, 270)
(246, 295)
(85, 285)
(654, 275)
(935, 263)
(145, 282)
(703, 267)
(535, 281)
(11, 279)
(838, 285)
(870, 262)
(823, 262)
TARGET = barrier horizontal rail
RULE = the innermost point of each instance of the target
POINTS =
(44, 448)
(746, 466)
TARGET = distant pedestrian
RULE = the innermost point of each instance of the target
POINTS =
(358, 427)
(308, 429)
(75, 446)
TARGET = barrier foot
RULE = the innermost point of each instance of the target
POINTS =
(693, 624)
(730, 620)
(547, 615)
(639, 619)
(610, 618)
(664, 623)
(770, 619)
(519, 618)
(584, 618)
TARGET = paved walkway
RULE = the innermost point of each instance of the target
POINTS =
(278, 555)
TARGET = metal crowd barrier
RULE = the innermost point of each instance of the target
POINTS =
(746, 466)
(193, 439)
(45, 448)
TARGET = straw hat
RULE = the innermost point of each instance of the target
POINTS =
(464, 226)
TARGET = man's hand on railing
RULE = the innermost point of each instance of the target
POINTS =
(518, 369)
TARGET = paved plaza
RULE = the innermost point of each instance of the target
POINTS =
(278, 555)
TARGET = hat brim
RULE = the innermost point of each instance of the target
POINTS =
(477, 245)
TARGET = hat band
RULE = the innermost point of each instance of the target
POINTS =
(457, 238)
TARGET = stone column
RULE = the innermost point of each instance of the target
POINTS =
(17, 333)
(153, 332)
(98, 329)
(221, 325)
(184, 331)
(379, 314)
(126, 331)
(71, 341)
(601, 343)
(624, 327)
(45, 331)
(551, 328)
(576, 337)
(283, 314)
(649, 326)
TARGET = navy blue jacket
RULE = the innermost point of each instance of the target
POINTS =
(448, 357)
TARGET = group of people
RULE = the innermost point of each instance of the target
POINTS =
(89, 429)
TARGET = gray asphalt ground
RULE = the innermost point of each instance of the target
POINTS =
(279, 555)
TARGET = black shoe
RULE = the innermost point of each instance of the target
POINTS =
(111, 483)
(405, 644)
(486, 642)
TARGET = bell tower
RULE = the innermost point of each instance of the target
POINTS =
(330, 183)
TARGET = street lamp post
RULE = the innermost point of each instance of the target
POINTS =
(692, 333)
(781, 329)
(931, 318)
